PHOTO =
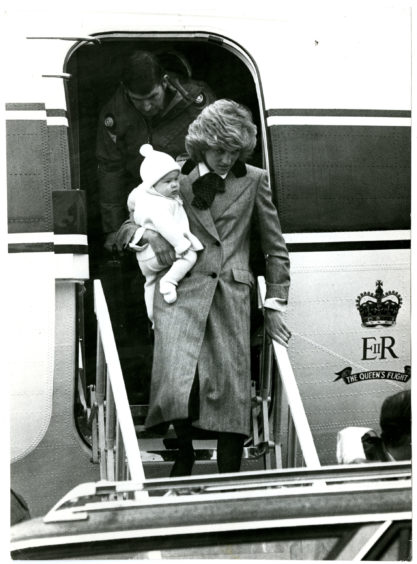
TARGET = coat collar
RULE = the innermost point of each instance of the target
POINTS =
(235, 189)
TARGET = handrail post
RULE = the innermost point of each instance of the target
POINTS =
(81, 380)
(100, 390)
(277, 402)
(94, 424)
(291, 443)
(110, 430)
(120, 463)
(264, 399)
(100, 393)
(267, 359)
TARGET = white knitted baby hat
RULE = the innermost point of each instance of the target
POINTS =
(155, 165)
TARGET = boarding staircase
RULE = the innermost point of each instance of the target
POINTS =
(281, 435)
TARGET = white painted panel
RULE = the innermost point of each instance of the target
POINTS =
(30, 348)
(313, 56)
(71, 267)
(338, 58)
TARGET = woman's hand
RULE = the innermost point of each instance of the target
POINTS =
(276, 327)
(164, 252)
(118, 241)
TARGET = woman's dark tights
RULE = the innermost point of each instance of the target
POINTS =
(229, 450)
(184, 462)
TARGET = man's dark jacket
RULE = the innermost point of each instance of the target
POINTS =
(122, 130)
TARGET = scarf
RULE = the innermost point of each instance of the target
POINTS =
(207, 186)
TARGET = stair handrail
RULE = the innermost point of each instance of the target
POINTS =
(295, 403)
(115, 375)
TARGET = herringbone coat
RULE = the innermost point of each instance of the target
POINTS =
(208, 326)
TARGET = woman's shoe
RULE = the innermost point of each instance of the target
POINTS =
(183, 464)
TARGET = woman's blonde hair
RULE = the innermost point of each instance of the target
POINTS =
(223, 124)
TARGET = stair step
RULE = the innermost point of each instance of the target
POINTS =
(201, 467)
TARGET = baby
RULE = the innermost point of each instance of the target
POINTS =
(156, 204)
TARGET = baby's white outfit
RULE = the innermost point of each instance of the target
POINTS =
(166, 216)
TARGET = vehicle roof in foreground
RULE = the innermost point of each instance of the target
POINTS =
(95, 512)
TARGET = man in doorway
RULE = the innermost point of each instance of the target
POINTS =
(149, 106)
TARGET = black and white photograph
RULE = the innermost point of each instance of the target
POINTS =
(208, 280)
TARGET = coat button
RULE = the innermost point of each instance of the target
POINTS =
(217, 243)
(213, 275)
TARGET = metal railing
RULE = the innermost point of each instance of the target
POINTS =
(114, 442)
(279, 376)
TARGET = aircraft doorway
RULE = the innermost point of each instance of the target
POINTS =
(95, 70)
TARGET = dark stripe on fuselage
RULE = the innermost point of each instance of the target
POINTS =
(47, 248)
(339, 113)
(24, 107)
(347, 246)
(71, 249)
(56, 113)
(31, 248)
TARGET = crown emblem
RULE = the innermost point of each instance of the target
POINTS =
(378, 308)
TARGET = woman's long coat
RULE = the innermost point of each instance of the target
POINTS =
(208, 326)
